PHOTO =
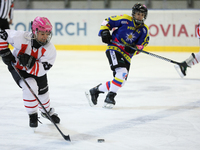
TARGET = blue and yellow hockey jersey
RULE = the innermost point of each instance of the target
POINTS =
(125, 31)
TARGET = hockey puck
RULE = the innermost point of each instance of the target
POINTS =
(100, 140)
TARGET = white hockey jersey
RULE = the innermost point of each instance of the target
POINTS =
(45, 55)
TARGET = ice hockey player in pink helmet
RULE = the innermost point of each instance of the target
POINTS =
(41, 24)
(33, 55)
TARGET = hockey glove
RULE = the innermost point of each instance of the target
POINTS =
(106, 37)
(26, 60)
(7, 56)
(131, 49)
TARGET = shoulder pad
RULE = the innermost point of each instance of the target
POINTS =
(119, 17)
(146, 26)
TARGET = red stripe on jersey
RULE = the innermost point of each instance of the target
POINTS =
(4, 47)
(196, 60)
(23, 48)
(31, 106)
(119, 85)
(107, 85)
(34, 54)
(12, 5)
(43, 51)
(35, 69)
(1, 43)
(29, 100)
(44, 107)
(46, 102)
(18, 66)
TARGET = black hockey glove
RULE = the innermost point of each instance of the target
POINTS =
(106, 37)
(130, 49)
(7, 56)
(3, 35)
(26, 60)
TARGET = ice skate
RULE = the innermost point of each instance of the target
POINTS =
(92, 95)
(53, 115)
(109, 101)
(33, 120)
(181, 69)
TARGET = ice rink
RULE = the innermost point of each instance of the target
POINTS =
(155, 110)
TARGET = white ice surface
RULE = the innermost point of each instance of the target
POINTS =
(155, 110)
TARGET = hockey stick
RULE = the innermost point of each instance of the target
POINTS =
(66, 137)
(151, 54)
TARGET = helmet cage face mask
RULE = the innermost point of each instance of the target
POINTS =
(41, 24)
(139, 8)
(42, 43)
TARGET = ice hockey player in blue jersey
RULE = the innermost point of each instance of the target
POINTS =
(128, 30)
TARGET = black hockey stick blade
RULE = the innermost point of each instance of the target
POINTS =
(67, 138)
(151, 54)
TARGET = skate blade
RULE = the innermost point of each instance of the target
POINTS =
(177, 67)
(108, 106)
(87, 94)
(34, 129)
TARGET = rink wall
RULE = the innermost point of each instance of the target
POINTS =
(170, 30)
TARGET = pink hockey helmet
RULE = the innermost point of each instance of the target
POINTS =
(41, 24)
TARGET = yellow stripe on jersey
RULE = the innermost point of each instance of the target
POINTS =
(146, 40)
(119, 80)
(122, 52)
(117, 17)
(104, 28)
